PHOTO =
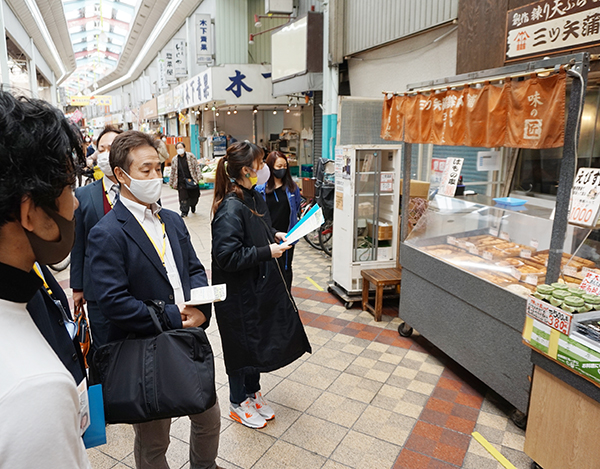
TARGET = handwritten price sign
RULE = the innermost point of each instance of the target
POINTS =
(591, 283)
(585, 197)
(546, 313)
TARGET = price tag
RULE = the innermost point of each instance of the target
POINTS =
(549, 315)
(451, 240)
(515, 273)
(488, 256)
(585, 270)
(469, 245)
(591, 283)
(473, 250)
(526, 254)
(504, 236)
(534, 243)
(493, 232)
(531, 279)
(570, 271)
(461, 244)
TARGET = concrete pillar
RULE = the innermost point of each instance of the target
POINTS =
(32, 71)
(4, 72)
(330, 94)
(53, 96)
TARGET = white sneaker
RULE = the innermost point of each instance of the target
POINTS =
(261, 405)
(247, 415)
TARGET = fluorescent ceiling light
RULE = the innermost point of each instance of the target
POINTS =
(160, 25)
(37, 16)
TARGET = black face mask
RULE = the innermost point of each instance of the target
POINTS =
(52, 252)
(279, 173)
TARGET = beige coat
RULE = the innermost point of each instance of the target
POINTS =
(192, 164)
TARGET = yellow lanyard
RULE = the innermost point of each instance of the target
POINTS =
(106, 194)
(164, 240)
(40, 275)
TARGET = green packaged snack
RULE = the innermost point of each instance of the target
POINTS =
(560, 294)
(545, 289)
(574, 301)
(591, 299)
(576, 292)
(560, 286)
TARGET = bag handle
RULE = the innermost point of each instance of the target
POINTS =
(155, 320)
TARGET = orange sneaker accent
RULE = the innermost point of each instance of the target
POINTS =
(235, 417)
(248, 415)
(258, 406)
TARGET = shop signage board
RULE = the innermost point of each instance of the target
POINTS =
(591, 283)
(162, 73)
(169, 102)
(169, 67)
(91, 100)
(244, 84)
(161, 105)
(149, 110)
(204, 39)
(549, 315)
(551, 26)
(488, 161)
(450, 176)
(179, 58)
(585, 198)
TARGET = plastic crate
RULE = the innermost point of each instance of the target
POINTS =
(306, 170)
(295, 170)
(206, 185)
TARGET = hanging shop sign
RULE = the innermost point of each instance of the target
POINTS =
(479, 117)
(149, 110)
(551, 26)
(450, 176)
(204, 39)
(91, 100)
(244, 84)
(169, 102)
(161, 104)
(195, 91)
(169, 67)
(162, 74)
(585, 198)
(179, 59)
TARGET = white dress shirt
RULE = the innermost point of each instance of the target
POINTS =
(153, 226)
(112, 190)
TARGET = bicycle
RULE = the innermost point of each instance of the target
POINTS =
(311, 238)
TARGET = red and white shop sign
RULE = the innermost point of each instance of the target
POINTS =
(544, 312)
(591, 283)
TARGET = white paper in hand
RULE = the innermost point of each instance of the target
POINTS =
(310, 222)
(209, 294)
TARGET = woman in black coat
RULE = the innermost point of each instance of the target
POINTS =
(259, 323)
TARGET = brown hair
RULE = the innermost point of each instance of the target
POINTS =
(287, 180)
(123, 144)
(107, 130)
(239, 155)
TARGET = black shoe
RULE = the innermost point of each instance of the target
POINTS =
(193, 209)
(183, 215)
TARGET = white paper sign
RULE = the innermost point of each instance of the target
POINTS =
(204, 39)
(488, 161)
(450, 176)
(585, 197)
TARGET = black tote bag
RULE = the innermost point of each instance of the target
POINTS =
(168, 375)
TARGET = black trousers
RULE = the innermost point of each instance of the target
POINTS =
(188, 198)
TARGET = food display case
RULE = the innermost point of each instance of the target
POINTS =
(468, 268)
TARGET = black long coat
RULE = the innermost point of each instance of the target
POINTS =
(259, 323)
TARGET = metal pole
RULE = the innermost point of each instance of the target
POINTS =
(567, 169)
(5, 75)
(407, 157)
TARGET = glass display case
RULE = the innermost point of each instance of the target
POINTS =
(505, 247)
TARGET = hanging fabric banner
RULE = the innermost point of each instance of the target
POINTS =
(519, 114)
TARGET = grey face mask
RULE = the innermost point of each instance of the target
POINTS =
(52, 252)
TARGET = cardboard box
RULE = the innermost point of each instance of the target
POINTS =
(385, 232)
(417, 188)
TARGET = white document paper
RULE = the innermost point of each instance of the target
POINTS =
(310, 222)
(209, 294)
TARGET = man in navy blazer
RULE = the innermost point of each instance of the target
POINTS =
(95, 200)
(139, 252)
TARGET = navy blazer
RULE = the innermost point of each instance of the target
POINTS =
(89, 212)
(49, 320)
(127, 271)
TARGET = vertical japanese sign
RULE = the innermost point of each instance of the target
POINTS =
(551, 25)
(170, 67)
(162, 74)
(179, 59)
(585, 197)
(450, 176)
(204, 39)
(437, 171)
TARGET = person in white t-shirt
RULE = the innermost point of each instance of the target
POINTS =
(39, 400)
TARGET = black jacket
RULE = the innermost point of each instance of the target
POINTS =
(49, 320)
(259, 323)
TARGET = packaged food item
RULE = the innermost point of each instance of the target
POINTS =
(558, 297)
(573, 304)
(560, 286)
(575, 291)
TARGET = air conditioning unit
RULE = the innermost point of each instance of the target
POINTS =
(285, 7)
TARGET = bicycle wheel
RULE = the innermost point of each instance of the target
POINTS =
(326, 236)
(62, 265)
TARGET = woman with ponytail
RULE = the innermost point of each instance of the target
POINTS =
(259, 323)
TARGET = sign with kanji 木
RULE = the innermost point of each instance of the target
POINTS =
(551, 26)
(204, 39)
(585, 197)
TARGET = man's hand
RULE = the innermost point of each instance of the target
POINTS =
(277, 250)
(191, 317)
(279, 236)
(78, 299)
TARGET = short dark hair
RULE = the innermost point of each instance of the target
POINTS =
(125, 142)
(38, 146)
(107, 130)
(180, 143)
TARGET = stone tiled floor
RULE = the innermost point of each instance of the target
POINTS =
(365, 398)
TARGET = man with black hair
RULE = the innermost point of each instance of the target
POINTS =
(95, 201)
(39, 400)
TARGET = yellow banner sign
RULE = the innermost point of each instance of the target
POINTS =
(91, 100)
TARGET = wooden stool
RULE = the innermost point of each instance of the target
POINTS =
(380, 278)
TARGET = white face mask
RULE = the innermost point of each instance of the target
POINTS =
(181, 151)
(145, 190)
(103, 163)
(263, 174)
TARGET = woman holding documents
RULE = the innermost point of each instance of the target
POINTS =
(259, 323)
(283, 200)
